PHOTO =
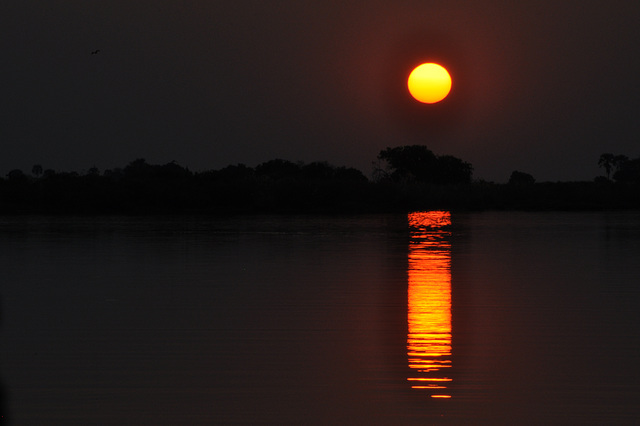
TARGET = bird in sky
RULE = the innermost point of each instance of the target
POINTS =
(95, 52)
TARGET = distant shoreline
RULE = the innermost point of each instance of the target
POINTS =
(280, 186)
(91, 196)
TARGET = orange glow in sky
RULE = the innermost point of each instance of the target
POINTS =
(429, 301)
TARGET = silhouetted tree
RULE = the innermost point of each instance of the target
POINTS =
(379, 173)
(418, 163)
(619, 161)
(16, 175)
(138, 168)
(235, 173)
(36, 170)
(113, 174)
(278, 169)
(628, 171)
(411, 162)
(453, 170)
(349, 174)
(173, 170)
(521, 178)
(323, 171)
(606, 161)
(318, 170)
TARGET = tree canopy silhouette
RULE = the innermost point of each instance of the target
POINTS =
(609, 161)
(628, 171)
(418, 163)
(521, 178)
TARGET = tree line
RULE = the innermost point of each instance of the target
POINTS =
(624, 170)
(142, 188)
(404, 178)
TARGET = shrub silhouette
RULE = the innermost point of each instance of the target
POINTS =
(521, 178)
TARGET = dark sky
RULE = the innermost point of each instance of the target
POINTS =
(543, 87)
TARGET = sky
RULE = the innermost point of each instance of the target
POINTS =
(542, 87)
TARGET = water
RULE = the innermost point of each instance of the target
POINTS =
(483, 318)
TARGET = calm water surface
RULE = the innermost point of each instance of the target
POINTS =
(430, 318)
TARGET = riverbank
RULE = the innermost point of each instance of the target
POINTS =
(98, 195)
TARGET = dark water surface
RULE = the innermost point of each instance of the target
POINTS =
(484, 318)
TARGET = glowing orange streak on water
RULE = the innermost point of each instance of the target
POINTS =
(428, 379)
(429, 387)
(429, 300)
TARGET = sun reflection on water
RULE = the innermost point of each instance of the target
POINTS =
(429, 302)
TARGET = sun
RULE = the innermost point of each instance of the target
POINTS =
(429, 83)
